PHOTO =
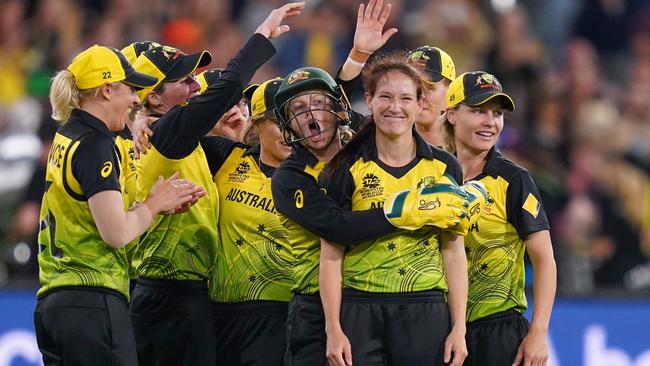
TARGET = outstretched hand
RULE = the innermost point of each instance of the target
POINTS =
(272, 26)
(369, 35)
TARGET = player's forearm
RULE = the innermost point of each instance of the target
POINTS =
(544, 287)
(455, 261)
(330, 283)
(540, 251)
(117, 227)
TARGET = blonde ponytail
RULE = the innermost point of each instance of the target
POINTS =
(250, 136)
(64, 95)
(446, 130)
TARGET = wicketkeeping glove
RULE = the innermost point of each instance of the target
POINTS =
(443, 205)
(477, 197)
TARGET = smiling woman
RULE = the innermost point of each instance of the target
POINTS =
(415, 269)
(83, 223)
(514, 222)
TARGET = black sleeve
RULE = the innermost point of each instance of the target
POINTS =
(177, 133)
(353, 88)
(523, 205)
(339, 185)
(350, 87)
(454, 169)
(95, 165)
(297, 195)
(217, 149)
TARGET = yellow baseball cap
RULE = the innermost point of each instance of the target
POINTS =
(261, 98)
(208, 77)
(132, 51)
(475, 88)
(99, 65)
(168, 64)
(435, 62)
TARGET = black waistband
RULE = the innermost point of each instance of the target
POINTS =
(353, 295)
(248, 307)
(175, 285)
(509, 314)
(102, 290)
(307, 297)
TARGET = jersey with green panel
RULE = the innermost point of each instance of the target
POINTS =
(181, 246)
(254, 256)
(308, 214)
(402, 261)
(124, 143)
(82, 161)
(495, 244)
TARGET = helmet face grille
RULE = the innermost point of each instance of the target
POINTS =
(303, 115)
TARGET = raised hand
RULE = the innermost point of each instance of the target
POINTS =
(272, 26)
(369, 35)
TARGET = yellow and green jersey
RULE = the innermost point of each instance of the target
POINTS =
(495, 244)
(401, 261)
(184, 246)
(254, 257)
(181, 246)
(124, 143)
(82, 161)
(308, 214)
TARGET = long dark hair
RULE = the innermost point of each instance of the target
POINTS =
(372, 75)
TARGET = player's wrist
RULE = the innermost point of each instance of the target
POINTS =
(359, 56)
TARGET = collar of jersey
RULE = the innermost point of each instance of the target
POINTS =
(91, 121)
(493, 163)
(303, 154)
(422, 148)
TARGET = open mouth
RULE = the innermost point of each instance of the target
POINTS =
(314, 130)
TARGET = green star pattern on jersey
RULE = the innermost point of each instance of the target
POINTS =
(181, 246)
(254, 258)
(495, 256)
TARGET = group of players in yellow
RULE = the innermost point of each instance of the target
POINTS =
(191, 220)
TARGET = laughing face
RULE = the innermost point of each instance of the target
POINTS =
(394, 105)
(477, 128)
(313, 119)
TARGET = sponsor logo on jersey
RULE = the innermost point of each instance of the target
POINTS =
(241, 172)
(107, 168)
(371, 186)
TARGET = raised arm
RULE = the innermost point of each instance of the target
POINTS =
(369, 36)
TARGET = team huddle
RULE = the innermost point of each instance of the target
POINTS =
(196, 220)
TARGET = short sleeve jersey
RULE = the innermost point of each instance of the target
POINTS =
(83, 161)
(124, 143)
(495, 244)
(402, 261)
(254, 257)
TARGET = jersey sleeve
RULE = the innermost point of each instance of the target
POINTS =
(298, 196)
(339, 185)
(95, 165)
(454, 169)
(217, 149)
(524, 206)
(177, 133)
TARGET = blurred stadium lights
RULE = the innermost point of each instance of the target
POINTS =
(502, 6)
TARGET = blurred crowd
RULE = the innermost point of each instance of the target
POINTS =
(579, 71)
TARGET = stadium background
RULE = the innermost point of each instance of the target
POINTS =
(579, 71)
